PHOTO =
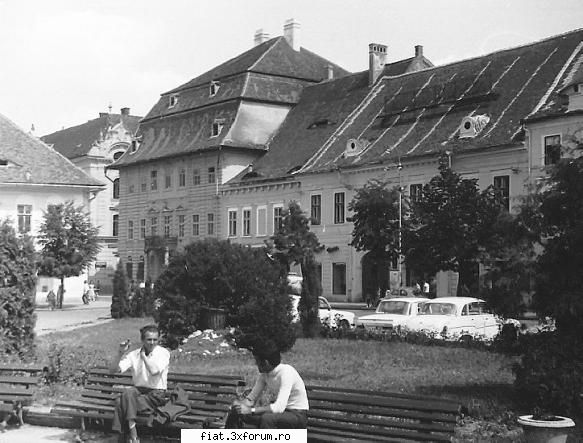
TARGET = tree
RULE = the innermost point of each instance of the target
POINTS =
(68, 241)
(17, 292)
(294, 243)
(376, 216)
(451, 223)
(559, 280)
(119, 299)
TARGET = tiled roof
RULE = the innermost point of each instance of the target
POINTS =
(26, 159)
(420, 113)
(76, 141)
(272, 73)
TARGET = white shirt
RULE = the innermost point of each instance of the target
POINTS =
(426, 288)
(290, 388)
(159, 359)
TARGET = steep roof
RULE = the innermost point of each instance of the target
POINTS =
(272, 75)
(25, 159)
(420, 113)
(77, 141)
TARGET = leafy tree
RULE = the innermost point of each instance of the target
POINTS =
(376, 215)
(242, 281)
(17, 292)
(68, 241)
(451, 225)
(119, 299)
(294, 243)
(559, 280)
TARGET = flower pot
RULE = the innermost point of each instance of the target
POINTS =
(546, 431)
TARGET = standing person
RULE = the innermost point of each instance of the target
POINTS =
(290, 408)
(426, 289)
(97, 289)
(91, 291)
(149, 366)
(85, 295)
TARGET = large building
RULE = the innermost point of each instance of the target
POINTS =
(33, 176)
(499, 117)
(92, 146)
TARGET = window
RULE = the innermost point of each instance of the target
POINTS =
(129, 268)
(316, 209)
(277, 218)
(552, 149)
(130, 230)
(167, 226)
(262, 221)
(339, 207)
(214, 88)
(339, 278)
(172, 100)
(142, 228)
(181, 220)
(415, 192)
(217, 127)
(182, 178)
(116, 188)
(502, 186)
(141, 271)
(154, 226)
(24, 216)
(211, 175)
(232, 222)
(196, 177)
(210, 218)
(246, 222)
(117, 155)
(168, 180)
(195, 224)
(153, 180)
(144, 185)
(115, 225)
(131, 189)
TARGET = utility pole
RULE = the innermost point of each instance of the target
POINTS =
(399, 167)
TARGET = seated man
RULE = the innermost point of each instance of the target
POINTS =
(288, 411)
(149, 366)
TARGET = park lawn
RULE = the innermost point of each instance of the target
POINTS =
(479, 379)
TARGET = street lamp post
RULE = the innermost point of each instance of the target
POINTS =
(399, 167)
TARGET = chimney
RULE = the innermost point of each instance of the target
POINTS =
(260, 37)
(291, 33)
(377, 58)
(125, 111)
(329, 72)
(418, 51)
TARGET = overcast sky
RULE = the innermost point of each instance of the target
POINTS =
(64, 61)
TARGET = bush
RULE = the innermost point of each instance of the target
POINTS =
(550, 374)
(242, 281)
(17, 292)
(120, 299)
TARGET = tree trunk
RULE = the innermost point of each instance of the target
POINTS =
(311, 290)
(61, 294)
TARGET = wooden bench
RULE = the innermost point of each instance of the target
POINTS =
(210, 398)
(17, 382)
(369, 416)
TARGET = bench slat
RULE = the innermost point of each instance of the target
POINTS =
(21, 368)
(171, 375)
(18, 380)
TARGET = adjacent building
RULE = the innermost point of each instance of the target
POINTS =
(92, 146)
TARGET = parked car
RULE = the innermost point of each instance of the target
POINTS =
(334, 317)
(392, 313)
(456, 318)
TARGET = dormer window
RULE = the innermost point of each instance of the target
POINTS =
(214, 88)
(217, 127)
(172, 100)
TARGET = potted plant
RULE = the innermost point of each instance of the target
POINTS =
(542, 427)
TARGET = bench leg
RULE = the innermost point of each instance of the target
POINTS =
(18, 413)
(83, 423)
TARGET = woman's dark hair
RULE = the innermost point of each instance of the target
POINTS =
(149, 328)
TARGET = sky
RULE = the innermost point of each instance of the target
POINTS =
(62, 62)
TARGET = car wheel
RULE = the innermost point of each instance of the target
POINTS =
(344, 325)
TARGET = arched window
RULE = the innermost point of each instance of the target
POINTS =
(116, 188)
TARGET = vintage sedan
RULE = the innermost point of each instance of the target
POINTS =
(335, 318)
(392, 314)
(456, 318)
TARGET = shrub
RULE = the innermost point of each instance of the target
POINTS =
(119, 299)
(549, 376)
(17, 292)
(243, 281)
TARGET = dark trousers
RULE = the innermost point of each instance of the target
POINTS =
(288, 419)
(134, 401)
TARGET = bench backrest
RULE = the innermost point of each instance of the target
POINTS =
(17, 380)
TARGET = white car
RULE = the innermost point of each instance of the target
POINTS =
(392, 313)
(328, 316)
(456, 318)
